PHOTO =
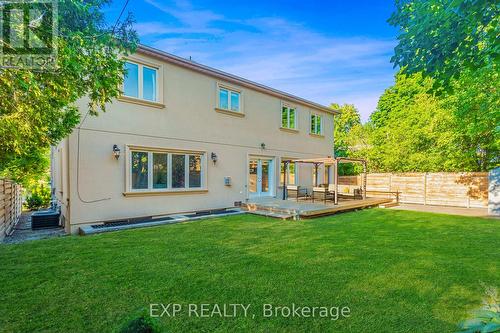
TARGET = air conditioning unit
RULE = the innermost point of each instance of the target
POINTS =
(45, 219)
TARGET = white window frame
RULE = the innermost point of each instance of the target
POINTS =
(229, 91)
(140, 81)
(289, 107)
(321, 124)
(169, 152)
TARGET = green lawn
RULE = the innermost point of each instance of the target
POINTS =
(397, 271)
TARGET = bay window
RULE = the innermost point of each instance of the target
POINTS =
(164, 171)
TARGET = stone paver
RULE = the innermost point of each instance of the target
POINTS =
(478, 212)
(22, 231)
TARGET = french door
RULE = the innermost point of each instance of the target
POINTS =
(260, 177)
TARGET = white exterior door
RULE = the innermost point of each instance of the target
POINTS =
(260, 177)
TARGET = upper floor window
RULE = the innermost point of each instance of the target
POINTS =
(288, 119)
(140, 81)
(229, 99)
(316, 124)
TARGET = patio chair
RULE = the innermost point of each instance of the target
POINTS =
(350, 192)
(294, 191)
(358, 194)
(322, 193)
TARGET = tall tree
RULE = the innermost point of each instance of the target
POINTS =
(398, 96)
(37, 106)
(456, 43)
(475, 101)
(346, 122)
(411, 130)
(446, 37)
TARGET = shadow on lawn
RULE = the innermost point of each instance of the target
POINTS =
(394, 275)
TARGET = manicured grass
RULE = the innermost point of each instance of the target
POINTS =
(397, 271)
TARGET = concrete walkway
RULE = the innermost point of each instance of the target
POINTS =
(477, 212)
(22, 231)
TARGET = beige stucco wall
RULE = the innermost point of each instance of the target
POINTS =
(60, 178)
(188, 122)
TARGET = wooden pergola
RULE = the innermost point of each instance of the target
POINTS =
(326, 161)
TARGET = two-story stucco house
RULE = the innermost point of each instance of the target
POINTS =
(184, 137)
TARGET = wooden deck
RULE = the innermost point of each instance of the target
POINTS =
(306, 209)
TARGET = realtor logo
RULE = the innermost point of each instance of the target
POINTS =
(28, 32)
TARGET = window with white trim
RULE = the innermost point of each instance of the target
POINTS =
(140, 81)
(229, 99)
(157, 171)
(316, 124)
(288, 117)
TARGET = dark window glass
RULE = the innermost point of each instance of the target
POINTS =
(291, 118)
(159, 170)
(194, 171)
(178, 171)
(284, 117)
(139, 170)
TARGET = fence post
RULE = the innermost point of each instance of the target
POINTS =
(425, 188)
(10, 206)
(390, 183)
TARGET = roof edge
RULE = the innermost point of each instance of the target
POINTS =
(162, 55)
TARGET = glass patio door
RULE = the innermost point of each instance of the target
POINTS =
(260, 180)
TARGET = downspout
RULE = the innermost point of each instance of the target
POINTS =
(53, 198)
(67, 179)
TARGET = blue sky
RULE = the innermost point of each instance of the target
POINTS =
(325, 51)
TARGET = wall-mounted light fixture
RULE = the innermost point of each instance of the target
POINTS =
(116, 151)
(263, 145)
(213, 156)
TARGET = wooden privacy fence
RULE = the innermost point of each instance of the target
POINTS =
(10, 206)
(466, 189)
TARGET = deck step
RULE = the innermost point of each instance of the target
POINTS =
(389, 204)
(268, 213)
(251, 207)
